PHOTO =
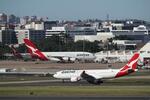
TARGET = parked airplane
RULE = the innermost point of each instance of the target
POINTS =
(58, 56)
(96, 76)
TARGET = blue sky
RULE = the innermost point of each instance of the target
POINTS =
(78, 9)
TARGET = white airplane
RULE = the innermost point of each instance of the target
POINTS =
(96, 76)
(58, 56)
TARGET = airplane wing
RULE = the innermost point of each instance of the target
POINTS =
(87, 76)
(90, 78)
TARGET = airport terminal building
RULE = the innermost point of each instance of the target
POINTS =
(123, 55)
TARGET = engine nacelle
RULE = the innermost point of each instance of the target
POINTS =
(72, 59)
(65, 58)
(75, 79)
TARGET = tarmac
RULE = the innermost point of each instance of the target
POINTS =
(31, 66)
(47, 66)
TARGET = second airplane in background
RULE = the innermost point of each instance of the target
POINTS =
(58, 56)
(23, 56)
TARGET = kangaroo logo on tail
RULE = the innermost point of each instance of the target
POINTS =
(130, 66)
(33, 50)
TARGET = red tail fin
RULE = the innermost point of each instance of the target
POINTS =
(33, 50)
(130, 66)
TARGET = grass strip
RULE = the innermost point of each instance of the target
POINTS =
(77, 90)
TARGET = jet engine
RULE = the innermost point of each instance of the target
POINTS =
(75, 79)
(90, 78)
(72, 59)
(65, 58)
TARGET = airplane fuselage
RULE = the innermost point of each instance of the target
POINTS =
(70, 55)
(58, 56)
(98, 74)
